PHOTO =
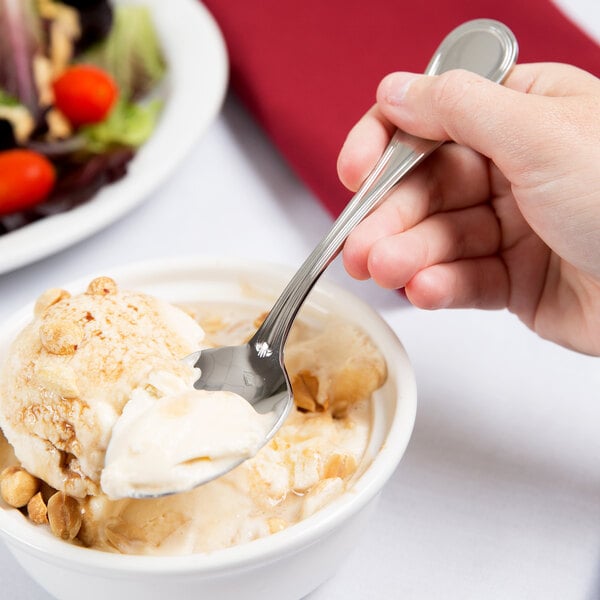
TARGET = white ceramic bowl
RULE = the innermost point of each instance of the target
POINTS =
(284, 566)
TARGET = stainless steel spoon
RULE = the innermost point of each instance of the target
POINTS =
(256, 370)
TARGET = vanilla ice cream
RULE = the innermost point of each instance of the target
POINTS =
(97, 403)
(171, 437)
(70, 373)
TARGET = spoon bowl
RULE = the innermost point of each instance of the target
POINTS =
(256, 370)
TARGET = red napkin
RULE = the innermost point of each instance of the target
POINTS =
(308, 69)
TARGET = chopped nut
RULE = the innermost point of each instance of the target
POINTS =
(36, 509)
(102, 286)
(48, 299)
(43, 77)
(276, 524)
(21, 120)
(58, 125)
(17, 486)
(306, 387)
(64, 31)
(340, 465)
(61, 337)
(64, 515)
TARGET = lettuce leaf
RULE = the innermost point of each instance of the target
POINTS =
(7, 99)
(131, 53)
(20, 41)
(128, 124)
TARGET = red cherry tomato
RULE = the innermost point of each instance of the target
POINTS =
(84, 94)
(26, 178)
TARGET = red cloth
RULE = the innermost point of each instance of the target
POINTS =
(308, 69)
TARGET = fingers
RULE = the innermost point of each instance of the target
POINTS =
(517, 130)
(363, 147)
(471, 283)
(430, 235)
(551, 79)
(394, 260)
(456, 178)
(461, 106)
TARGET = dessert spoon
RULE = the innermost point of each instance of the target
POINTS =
(256, 369)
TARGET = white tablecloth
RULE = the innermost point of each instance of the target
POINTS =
(498, 496)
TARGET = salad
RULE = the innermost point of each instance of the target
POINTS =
(79, 94)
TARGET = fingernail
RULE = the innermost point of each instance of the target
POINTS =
(395, 86)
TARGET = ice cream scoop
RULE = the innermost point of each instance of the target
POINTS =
(256, 370)
(71, 371)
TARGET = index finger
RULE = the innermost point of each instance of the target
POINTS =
(363, 146)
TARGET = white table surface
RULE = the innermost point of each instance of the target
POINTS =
(498, 496)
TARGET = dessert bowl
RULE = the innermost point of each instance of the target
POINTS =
(283, 566)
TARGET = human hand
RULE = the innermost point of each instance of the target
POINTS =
(506, 216)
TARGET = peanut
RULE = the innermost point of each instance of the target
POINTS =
(48, 299)
(102, 286)
(37, 511)
(61, 337)
(64, 515)
(17, 486)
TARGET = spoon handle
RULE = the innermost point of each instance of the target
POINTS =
(483, 46)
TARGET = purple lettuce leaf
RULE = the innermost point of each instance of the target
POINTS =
(20, 40)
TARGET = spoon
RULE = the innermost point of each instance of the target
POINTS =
(256, 370)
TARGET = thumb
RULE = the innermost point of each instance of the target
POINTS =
(501, 123)
(541, 132)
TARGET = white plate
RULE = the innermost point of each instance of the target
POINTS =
(196, 83)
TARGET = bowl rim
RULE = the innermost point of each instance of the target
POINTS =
(18, 532)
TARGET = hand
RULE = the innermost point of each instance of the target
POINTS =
(508, 215)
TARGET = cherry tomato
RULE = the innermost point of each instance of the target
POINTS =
(84, 94)
(26, 178)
